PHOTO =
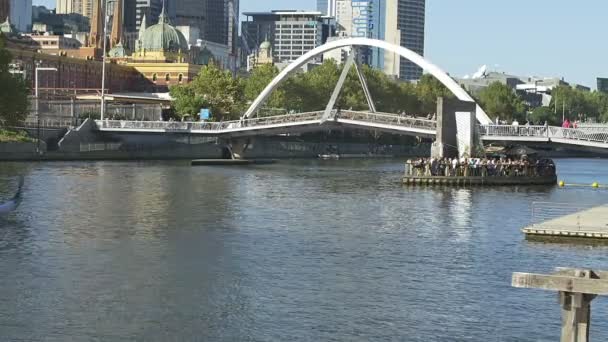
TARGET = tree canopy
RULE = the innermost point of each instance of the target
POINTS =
(499, 100)
(227, 97)
(428, 90)
(212, 88)
(14, 104)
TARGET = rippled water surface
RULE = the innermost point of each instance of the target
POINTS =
(301, 250)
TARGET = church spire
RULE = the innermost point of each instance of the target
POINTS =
(162, 18)
(117, 24)
(96, 26)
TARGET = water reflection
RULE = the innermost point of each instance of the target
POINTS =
(301, 250)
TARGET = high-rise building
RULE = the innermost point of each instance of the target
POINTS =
(327, 7)
(602, 84)
(344, 17)
(291, 33)
(129, 15)
(217, 20)
(64, 6)
(400, 22)
(411, 17)
(148, 10)
(216, 23)
(5, 8)
(84, 7)
(189, 13)
(20, 13)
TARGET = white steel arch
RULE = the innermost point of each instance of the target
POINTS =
(434, 70)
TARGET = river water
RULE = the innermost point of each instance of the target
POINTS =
(298, 251)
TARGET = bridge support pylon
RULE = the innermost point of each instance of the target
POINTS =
(456, 125)
(350, 62)
(235, 148)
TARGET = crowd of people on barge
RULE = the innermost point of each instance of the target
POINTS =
(480, 167)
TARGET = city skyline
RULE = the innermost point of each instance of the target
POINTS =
(518, 37)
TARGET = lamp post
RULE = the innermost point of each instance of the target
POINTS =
(37, 103)
(103, 67)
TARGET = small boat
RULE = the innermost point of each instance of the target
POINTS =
(331, 156)
(12, 204)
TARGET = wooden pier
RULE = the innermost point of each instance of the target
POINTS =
(576, 288)
(585, 225)
(479, 181)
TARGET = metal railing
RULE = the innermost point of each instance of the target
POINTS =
(588, 134)
(214, 127)
(581, 134)
(567, 216)
(514, 131)
(389, 119)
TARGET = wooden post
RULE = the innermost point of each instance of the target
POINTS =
(577, 288)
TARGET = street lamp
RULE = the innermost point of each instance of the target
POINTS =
(103, 67)
(37, 103)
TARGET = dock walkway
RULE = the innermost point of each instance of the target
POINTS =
(587, 223)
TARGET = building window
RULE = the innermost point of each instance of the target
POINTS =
(167, 77)
(154, 77)
(180, 77)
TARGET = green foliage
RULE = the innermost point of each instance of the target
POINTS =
(14, 136)
(213, 88)
(186, 101)
(260, 77)
(499, 100)
(577, 104)
(14, 103)
(428, 90)
(540, 115)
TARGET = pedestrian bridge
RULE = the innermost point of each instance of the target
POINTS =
(386, 122)
(249, 125)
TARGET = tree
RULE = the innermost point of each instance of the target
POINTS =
(428, 90)
(260, 77)
(185, 101)
(498, 100)
(221, 92)
(14, 104)
(540, 115)
(389, 95)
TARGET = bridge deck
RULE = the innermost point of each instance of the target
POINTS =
(392, 123)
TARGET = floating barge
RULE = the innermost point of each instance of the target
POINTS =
(480, 181)
(589, 225)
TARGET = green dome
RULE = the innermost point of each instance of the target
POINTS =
(119, 51)
(265, 45)
(205, 57)
(163, 37)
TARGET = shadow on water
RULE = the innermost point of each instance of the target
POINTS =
(13, 233)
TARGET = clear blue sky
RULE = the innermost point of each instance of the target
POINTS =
(523, 37)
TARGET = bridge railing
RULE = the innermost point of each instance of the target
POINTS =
(207, 126)
(514, 131)
(279, 119)
(581, 134)
(389, 119)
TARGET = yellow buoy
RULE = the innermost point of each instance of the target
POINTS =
(595, 185)
(562, 184)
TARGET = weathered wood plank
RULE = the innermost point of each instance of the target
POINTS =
(560, 283)
(576, 272)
